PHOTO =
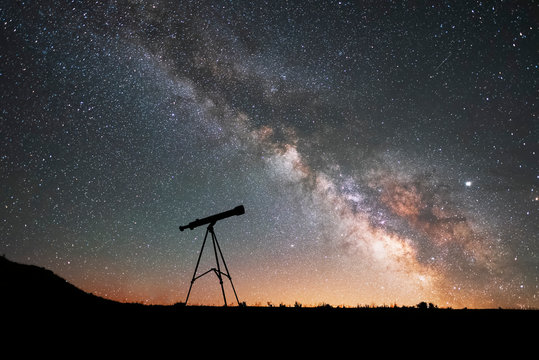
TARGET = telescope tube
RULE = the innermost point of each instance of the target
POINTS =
(238, 210)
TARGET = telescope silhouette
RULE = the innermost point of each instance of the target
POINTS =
(211, 220)
(238, 210)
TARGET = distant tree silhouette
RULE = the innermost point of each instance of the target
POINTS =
(424, 305)
(325, 306)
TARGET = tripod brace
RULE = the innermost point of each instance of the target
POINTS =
(217, 270)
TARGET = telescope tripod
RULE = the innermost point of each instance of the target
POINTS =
(217, 271)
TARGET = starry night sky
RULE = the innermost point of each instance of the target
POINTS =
(385, 151)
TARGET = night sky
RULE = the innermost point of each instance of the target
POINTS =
(385, 151)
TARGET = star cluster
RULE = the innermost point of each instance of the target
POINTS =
(385, 152)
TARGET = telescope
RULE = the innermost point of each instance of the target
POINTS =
(211, 220)
(238, 210)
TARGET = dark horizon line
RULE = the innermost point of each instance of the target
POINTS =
(38, 271)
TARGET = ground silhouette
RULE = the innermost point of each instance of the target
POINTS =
(34, 295)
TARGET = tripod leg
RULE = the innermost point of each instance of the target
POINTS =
(226, 268)
(218, 272)
(196, 267)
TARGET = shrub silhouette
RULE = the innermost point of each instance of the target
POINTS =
(422, 305)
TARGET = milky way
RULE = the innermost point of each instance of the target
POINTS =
(385, 152)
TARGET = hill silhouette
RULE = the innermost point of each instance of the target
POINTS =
(33, 288)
